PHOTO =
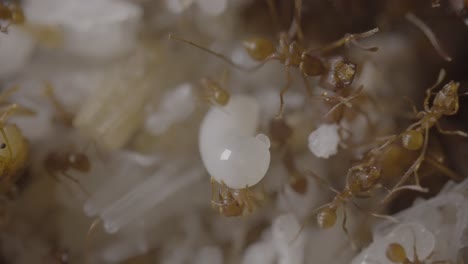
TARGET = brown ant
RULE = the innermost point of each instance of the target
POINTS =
(232, 202)
(292, 55)
(416, 136)
(60, 163)
(13, 13)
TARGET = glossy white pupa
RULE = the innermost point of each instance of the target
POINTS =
(230, 151)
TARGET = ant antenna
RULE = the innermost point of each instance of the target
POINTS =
(351, 38)
(429, 34)
(218, 55)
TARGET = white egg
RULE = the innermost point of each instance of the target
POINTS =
(323, 142)
(230, 150)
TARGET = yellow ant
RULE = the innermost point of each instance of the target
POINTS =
(291, 53)
(416, 136)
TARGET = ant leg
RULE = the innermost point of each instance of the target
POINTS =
(273, 13)
(451, 132)
(66, 117)
(344, 101)
(307, 85)
(297, 19)
(445, 170)
(381, 216)
(7, 93)
(439, 80)
(91, 228)
(218, 55)
(283, 91)
(345, 219)
(429, 34)
(414, 168)
(77, 182)
(346, 39)
(411, 102)
(321, 181)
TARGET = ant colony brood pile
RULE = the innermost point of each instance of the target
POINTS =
(227, 132)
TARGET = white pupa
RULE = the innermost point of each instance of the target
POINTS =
(230, 151)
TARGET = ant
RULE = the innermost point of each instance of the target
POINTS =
(396, 253)
(60, 163)
(292, 55)
(11, 12)
(416, 136)
(232, 202)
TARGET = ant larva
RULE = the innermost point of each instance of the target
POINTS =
(416, 136)
(233, 202)
(12, 13)
(60, 163)
(292, 55)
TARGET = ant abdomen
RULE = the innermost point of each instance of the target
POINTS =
(396, 253)
(259, 48)
(326, 217)
(311, 66)
(412, 139)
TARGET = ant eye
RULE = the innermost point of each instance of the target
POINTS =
(2, 146)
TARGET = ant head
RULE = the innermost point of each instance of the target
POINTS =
(311, 66)
(219, 95)
(340, 73)
(259, 48)
(412, 139)
(364, 178)
(326, 217)
(298, 183)
(231, 208)
(280, 131)
(396, 253)
(446, 99)
(79, 161)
